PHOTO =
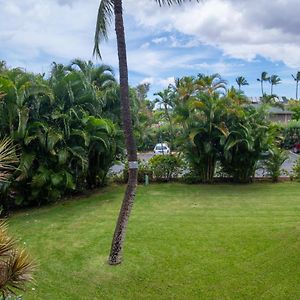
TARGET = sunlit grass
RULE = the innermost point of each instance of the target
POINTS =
(183, 242)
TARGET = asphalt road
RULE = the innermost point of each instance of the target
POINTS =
(287, 165)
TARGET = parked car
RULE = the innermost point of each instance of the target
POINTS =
(162, 148)
(296, 148)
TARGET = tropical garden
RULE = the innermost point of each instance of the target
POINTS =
(62, 132)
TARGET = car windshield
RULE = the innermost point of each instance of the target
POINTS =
(161, 147)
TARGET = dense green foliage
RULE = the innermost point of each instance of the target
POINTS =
(67, 129)
(277, 157)
(219, 126)
(165, 167)
(184, 242)
(60, 125)
(296, 170)
(144, 169)
(291, 134)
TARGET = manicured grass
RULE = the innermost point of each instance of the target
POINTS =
(183, 242)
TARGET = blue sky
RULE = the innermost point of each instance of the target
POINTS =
(230, 37)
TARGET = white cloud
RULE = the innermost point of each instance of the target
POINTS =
(242, 29)
(34, 29)
(145, 45)
(150, 80)
(160, 40)
(166, 81)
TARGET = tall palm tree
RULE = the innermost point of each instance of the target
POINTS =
(241, 81)
(263, 77)
(108, 9)
(297, 79)
(165, 99)
(274, 80)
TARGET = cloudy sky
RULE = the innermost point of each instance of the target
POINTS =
(231, 37)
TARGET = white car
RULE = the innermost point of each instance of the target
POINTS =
(162, 148)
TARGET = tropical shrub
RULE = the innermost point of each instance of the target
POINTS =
(144, 169)
(191, 178)
(8, 163)
(64, 142)
(296, 170)
(273, 163)
(247, 140)
(15, 265)
(219, 126)
(165, 167)
(294, 106)
(200, 110)
(291, 134)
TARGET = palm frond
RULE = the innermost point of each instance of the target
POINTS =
(16, 272)
(8, 158)
(104, 18)
(6, 243)
(16, 268)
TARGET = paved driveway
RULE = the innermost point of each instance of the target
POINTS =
(287, 165)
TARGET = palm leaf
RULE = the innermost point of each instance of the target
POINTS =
(52, 138)
(8, 158)
(16, 268)
(26, 162)
(104, 19)
(63, 156)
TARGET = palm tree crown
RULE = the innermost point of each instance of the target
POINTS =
(241, 81)
(274, 80)
(297, 79)
(263, 77)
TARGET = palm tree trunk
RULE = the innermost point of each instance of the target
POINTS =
(120, 230)
(271, 89)
(171, 125)
(297, 83)
(262, 88)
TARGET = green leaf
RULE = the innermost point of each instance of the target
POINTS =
(26, 162)
(69, 181)
(63, 156)
(41, 178)
(57, 179)
(53, 137)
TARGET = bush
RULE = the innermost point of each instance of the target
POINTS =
(144, 170)
(273, 163)
(165, 167)
(191, 178)
(296, 170)
(291, 134)
(15, 265)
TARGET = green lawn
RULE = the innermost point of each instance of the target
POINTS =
(183, 242)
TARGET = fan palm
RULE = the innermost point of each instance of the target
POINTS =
(8, 158)
(241, 81)
(297, 79)
(274, 80)
(16, 267)
(108, 9)
(263, 77)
